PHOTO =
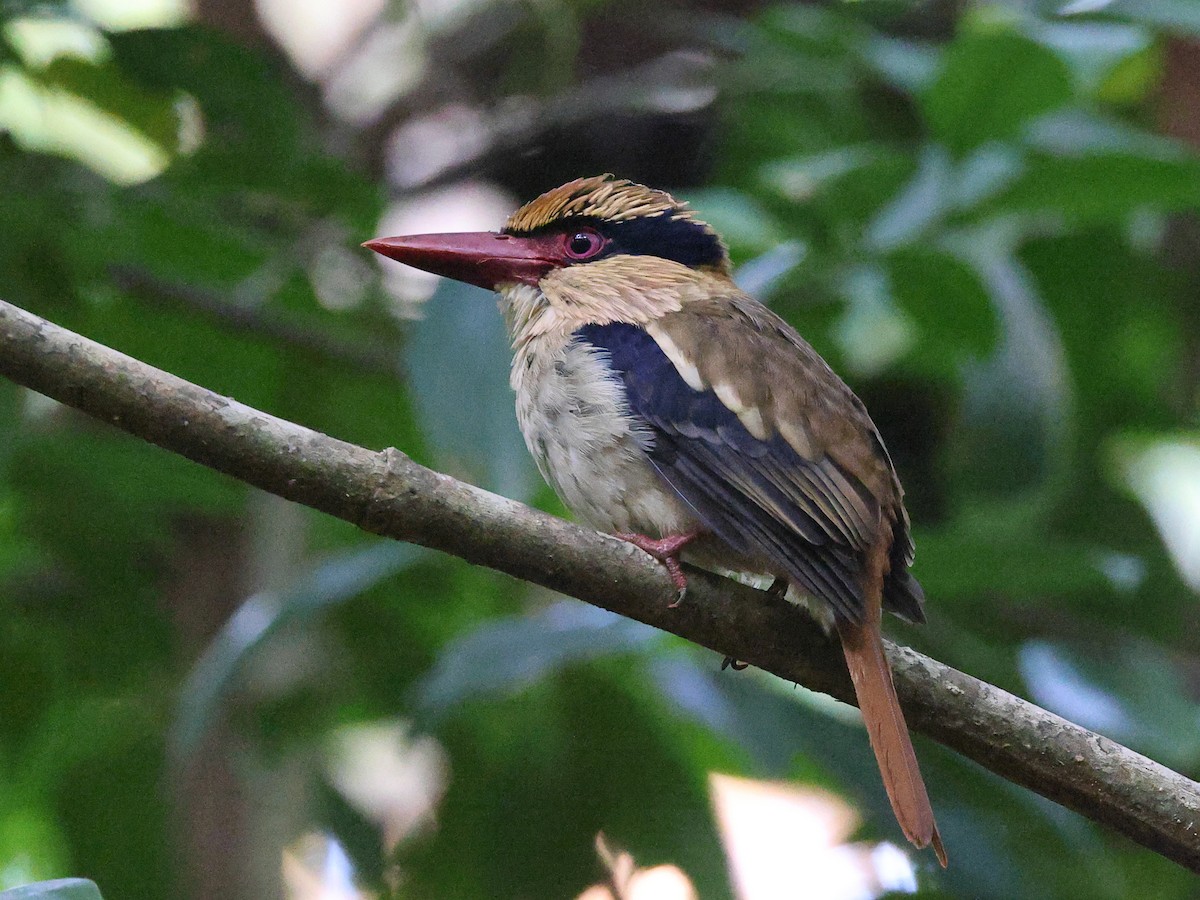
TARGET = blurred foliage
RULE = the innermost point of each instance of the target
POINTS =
(976, 216)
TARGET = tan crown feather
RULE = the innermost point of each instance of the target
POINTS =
(602, 197)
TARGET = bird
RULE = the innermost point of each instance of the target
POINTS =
(671, 409)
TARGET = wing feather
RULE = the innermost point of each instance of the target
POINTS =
(822, 572)
(811, 516)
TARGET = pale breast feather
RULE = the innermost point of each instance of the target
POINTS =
(574, 415)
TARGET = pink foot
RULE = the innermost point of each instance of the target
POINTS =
(666, 551)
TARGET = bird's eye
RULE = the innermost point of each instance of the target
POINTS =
(584, 243)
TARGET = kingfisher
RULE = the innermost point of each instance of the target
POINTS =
(671, 409)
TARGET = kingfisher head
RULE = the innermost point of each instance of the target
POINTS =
(596, 249)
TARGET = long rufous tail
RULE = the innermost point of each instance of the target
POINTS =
(862, 644)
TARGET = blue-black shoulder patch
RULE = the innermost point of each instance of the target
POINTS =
(750, 492)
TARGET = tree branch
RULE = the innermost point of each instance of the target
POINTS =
(388, 494)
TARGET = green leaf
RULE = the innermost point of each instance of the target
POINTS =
(596, 733)
(990, 86)
(240, 92)
(458, 362)
(1124, 338)
(1102, 188)
(949, 304)
(1025, 562)
(1133, 80)
(504, 655)
(740, 219)
(59, 889)
(14, 8)
(173, 239)
(33, 841)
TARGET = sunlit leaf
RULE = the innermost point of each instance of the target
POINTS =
(1079, 133)
(759, 276)
(1091, 49)
(60, 889)
(1179, 16)
(152, 114)
(1164, 475)
(46, 119)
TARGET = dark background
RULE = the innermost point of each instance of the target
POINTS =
(981, 214)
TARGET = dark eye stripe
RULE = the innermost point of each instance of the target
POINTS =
(665, 236)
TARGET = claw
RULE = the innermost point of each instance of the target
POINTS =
(736, 664)
(779, 588)
(666, 551)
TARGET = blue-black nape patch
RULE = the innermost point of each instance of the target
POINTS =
(666, 236)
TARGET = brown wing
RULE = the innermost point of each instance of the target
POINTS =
(766, 443)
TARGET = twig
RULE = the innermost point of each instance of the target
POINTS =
(388, 494)
(372, 359)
